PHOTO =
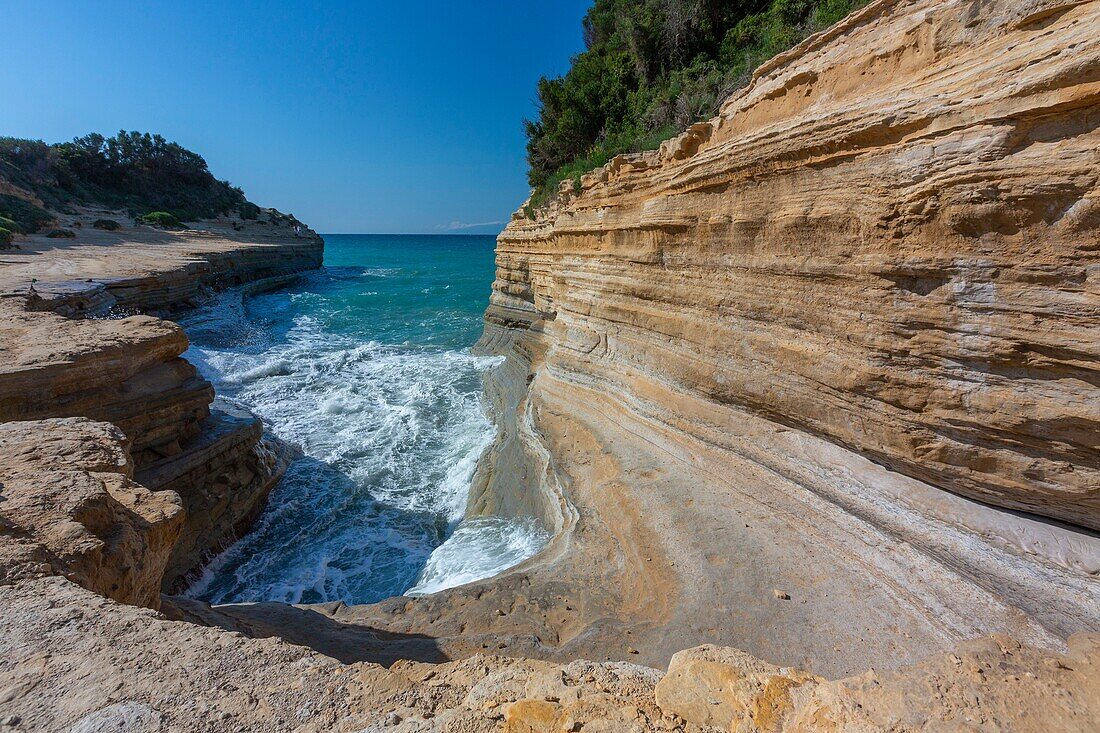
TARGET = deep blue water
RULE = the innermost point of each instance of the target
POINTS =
(365, 366)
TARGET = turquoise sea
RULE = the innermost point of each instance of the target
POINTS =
(365, 366)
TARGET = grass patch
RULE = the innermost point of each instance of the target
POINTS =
(162, 219)
(25, 215)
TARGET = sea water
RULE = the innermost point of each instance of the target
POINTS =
(365, 366)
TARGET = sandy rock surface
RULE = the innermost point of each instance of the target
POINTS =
(73, 660)
(71, 508)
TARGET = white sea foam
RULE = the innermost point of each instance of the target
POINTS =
(480, 547)
(391, 436)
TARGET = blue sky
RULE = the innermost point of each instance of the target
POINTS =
(357, 117)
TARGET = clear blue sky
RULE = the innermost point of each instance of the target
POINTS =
(355, 116)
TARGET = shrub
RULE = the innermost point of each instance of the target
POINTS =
(250, 211)
(161, 219)
(653, 67)
(135, 171)
(109, 225)
(28, 217)
(61, 234)
(10, 225)
(5, 238)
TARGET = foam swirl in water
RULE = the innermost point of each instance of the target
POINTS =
(365, 371)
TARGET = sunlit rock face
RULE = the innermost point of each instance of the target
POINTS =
(203, 471)
(888, 239)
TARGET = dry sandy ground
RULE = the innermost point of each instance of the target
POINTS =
(131, 252)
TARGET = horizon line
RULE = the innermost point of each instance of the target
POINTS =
(417, 234)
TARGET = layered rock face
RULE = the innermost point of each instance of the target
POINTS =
(888, 240)
(59, 357)
(128, 372)
(70, 507)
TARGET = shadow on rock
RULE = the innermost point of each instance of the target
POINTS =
(310, 628)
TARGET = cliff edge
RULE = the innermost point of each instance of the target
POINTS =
(75, 342)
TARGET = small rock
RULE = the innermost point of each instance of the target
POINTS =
(631, 650)
(781, 595)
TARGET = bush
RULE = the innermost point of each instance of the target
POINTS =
(162, 219)
(651, 69)
(250, 211)
(109, 225)
(27, 217)
(61, 234)
(5, 238)
(134, 171)
(11, 226)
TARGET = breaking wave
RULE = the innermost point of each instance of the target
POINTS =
(390, 435)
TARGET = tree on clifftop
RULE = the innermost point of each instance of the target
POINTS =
(653, 67)
(137, 171)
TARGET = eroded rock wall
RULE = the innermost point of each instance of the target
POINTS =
(888, 239)
(65, 352)
(70, 507)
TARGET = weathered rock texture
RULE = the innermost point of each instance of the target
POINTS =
(69, 506)
(57, 359)
(73, 661)
(889, 239)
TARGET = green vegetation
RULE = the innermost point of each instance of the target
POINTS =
(5, 238)
(250, 211)
(162, 219)
(651, 69)
(133, 171)
(109, 225)
(26, 217)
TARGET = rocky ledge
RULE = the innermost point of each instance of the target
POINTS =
(68, 349)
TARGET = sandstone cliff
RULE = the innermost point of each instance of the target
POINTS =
(64, 352)
(888, 239)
